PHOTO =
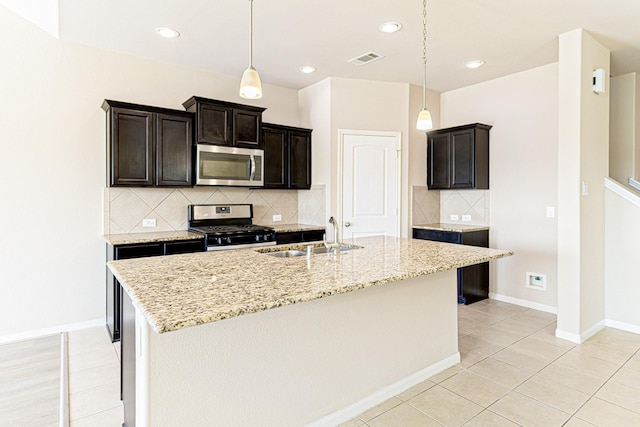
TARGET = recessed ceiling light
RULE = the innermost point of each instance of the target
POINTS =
(390, 27)
(168, 33)
(474, 64)
(308, 69)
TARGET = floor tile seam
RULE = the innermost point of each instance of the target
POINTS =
(494, 413)
(590, 372)
(540, 402)
(439, 422)
(405, 402)
(93, 387)
(510, 388)
(480, 404)
(94, 414)
(93, 367)
(635, 411)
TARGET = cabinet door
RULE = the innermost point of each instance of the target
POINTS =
(246, 128)
(275, 157)
(131, 148)
(184, 247)
(174, 150)
(438, 161)
(300, 159)
(214, 125)
(462, 159)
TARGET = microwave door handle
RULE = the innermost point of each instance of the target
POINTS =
(253, 168)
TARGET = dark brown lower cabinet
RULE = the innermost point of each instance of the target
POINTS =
(299, 236)
(473, 281)
(137, 250)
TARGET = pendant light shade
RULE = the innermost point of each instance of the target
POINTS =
(424, 120)
(250, 86)
(424, 117)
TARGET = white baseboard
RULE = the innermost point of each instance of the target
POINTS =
(52, 330)
(524, 303)
(352, 411)
(629, 327)
(580, 338)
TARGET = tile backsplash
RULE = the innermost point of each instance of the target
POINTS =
(125, 208)
(465, 202)
(426, 206)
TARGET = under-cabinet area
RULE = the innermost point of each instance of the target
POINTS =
(473, 280)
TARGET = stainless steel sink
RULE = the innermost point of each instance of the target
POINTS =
(286, 254)
(290, 253)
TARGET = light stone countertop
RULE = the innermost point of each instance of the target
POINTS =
(459, 228)
(159, 236)
(179, 291)
(285, 228)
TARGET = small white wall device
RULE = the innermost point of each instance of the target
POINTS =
(598, 80)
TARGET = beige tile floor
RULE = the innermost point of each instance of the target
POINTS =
(513, 372)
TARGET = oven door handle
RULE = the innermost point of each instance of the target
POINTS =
(253, 168)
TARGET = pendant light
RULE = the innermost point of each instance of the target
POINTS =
(250, 87)
(424, 117)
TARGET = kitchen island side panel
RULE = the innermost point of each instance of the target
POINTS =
(294, 365)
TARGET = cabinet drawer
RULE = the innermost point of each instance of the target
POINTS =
(437, 235)
(138, 251)
(184, 247)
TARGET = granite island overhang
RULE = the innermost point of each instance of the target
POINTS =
(229, 359)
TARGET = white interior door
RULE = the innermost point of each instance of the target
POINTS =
(370, 184)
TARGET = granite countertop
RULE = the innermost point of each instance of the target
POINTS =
(179, 291)
(460, 228)
(284, 228)
(159, 236)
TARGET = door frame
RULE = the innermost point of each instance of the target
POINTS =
(347, 132)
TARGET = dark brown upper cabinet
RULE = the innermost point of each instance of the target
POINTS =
(287, 157)
(226, 123)
(148, 146)
(458, 157)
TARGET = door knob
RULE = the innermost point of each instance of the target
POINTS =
(347, 224)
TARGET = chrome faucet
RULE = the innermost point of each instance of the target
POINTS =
(336, 242)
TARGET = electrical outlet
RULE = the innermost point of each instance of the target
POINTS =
(277, 218)
(149, 222)
(454, 217)
(585, 188)
(466, 217)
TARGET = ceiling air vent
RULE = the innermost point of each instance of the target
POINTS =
(365, 59)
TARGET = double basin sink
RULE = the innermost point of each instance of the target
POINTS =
(302, 250)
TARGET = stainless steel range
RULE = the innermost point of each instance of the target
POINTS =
(229, 227)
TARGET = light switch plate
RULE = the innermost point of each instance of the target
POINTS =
(551, 212)
(277, 218)
(466, 217)
(454, 217)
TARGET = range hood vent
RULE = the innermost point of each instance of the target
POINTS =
(365, 59)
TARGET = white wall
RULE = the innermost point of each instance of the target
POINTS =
(622, 257)
(352, 104)
(522, 108)
(52, 163)
(624, 139)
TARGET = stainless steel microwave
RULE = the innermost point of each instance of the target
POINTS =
(233, 166)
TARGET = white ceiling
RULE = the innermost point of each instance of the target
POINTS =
(511, 35)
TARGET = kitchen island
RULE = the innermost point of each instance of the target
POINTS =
(244, 338)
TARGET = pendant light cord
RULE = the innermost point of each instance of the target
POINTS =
(424, 53)
(251, 33)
